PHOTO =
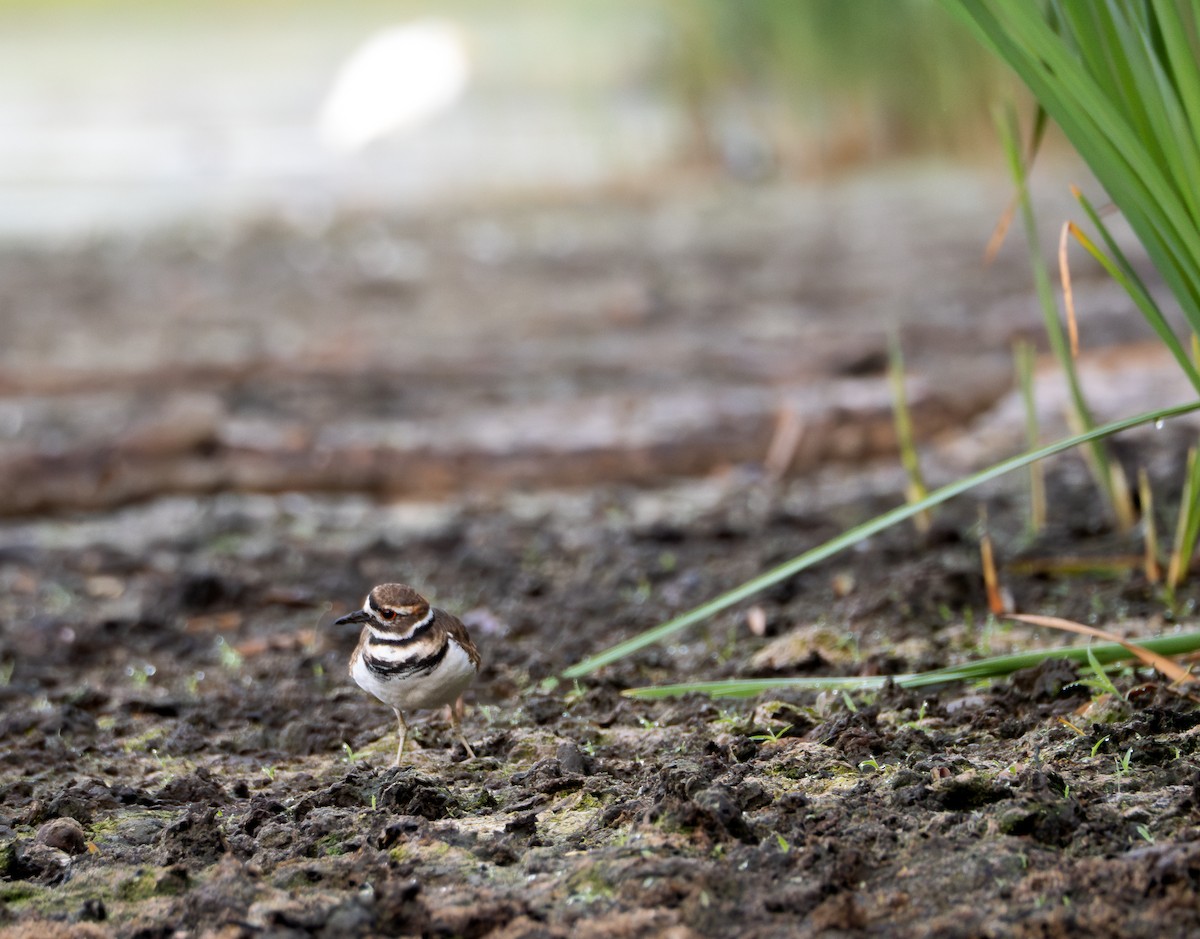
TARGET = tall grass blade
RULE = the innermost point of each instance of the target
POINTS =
(905, 440)
(1023, 353)
(1149, 528)
(1119, 269)
(979, 670)
(1059, 343)
(1187, 527)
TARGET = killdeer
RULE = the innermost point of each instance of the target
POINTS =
(411, 655)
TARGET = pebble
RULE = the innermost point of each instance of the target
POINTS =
(66, 834)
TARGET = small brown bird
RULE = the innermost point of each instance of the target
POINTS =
(411, 655)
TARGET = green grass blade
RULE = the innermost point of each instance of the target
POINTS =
(861, 533)
(1120, 270)
(1024, 356)
(1180, 57)
(1010, 137)
(979, 670)
(1187, 527)
(905, 438)
(1124, 140)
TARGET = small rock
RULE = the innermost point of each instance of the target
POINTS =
(140, 830)
(66, 834)
(199, 786)
(573, 759)
(40, 863)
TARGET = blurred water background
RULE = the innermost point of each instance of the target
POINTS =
(116, 115)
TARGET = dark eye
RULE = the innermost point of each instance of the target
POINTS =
(388, 614)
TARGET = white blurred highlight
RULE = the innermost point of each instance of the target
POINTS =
(398, 78)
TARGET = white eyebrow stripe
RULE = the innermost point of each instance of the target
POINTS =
(424, 622)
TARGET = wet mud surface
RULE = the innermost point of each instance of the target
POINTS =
(183, 753)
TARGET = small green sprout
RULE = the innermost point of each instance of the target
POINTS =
(784, 846)
(1122, 769)
(193, 683)
(229, 657)
(772, 735)
(1099, 681)
(576, 693)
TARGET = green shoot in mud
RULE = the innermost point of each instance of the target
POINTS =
(229, 657)
(1123, 762)
(905, 439)
(919, 719)
(1122, 768)
(772, 736)
(1099, 680)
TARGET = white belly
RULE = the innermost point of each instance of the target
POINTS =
(441, 686)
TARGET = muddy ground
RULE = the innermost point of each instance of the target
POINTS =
(182, 752)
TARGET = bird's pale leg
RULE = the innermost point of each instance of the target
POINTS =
(456, 713)
(403, 734)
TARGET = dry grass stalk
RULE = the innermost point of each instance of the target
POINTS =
(1159, 663)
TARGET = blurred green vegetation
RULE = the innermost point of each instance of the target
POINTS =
(868, 77)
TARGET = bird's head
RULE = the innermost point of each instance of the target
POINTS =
(395, 609)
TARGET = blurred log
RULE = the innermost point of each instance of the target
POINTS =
(194, 442)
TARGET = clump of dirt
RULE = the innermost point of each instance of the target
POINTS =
(183, 749)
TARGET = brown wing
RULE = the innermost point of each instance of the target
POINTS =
(458, 632)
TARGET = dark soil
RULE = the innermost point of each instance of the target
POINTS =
(184, 754)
